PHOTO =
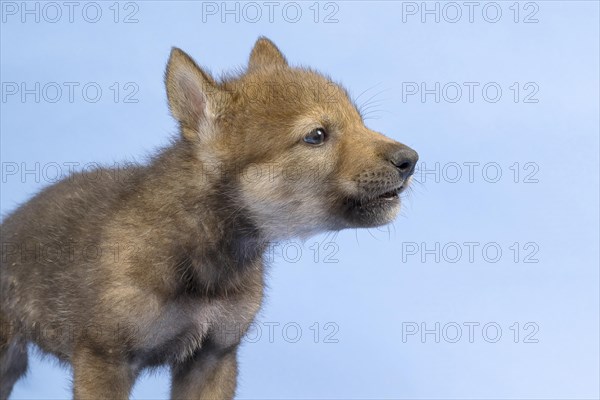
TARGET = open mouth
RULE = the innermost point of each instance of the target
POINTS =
(391, 195)
(376, 207)
(375, 210)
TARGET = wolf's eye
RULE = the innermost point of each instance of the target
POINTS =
(316, 136)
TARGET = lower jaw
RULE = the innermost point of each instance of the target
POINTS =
(377, 212)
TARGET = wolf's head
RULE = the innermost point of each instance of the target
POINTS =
(287, 146)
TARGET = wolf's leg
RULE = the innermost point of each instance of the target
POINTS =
(13, 360)
(97, 376)
(209, 374)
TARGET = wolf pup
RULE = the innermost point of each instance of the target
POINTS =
(114, 271)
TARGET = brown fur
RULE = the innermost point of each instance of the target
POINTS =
(117, 271)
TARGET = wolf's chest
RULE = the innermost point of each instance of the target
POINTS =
(183, 327)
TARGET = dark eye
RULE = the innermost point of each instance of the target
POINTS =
(316, 136)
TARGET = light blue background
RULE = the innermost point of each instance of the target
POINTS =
(376, 286)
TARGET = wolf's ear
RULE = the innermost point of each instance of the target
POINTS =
(265, 53)
(191, 92)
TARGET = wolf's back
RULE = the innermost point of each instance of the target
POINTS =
(51, 244)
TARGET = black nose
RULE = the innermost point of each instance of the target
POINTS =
(405, 159)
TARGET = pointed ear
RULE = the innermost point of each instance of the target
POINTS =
(265, 54)
(191, 93)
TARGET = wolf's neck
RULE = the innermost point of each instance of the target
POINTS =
(211, 238)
